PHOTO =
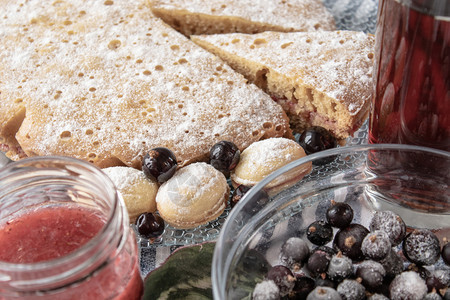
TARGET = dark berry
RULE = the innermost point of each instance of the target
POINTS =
(391, 223)
(303, 286)
(283, 278)
(150, 225)
(322, 293)
(376, 245)
(446, 253)
(371, 273)
(294, 252)
(407, 285)
(349, 239)
(315, 139)
(350, 289)
(266, 290)
(159, 164)
(340, 267)
(339, 214)
(319, 233)
(392, 263)
(237, 194)
(438, 280)
(319, 260)
(224, 156)
(421, 246)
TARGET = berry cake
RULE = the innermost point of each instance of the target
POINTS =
(320, 78)
(247, 16)
(105, 81)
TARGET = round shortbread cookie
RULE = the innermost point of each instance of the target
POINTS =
(195, 195)
(264, 157)
(138, 192)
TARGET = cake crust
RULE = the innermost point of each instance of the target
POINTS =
(320, 78)
(106, 81)
(246, 16)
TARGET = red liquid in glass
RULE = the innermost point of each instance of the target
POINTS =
(411, 104)
(53, 232)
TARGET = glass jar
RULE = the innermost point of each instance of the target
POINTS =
(411, 102)
(66, 220)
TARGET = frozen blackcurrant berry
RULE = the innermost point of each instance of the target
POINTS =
(421, 246)
(266, 290)
(407, 285)
(376, 245)
(392, 263)
(349, 239)
(283, 278)
(371, 273)
(339, 214)
(315, 139)
(446, 253)
(159, 164)
(150, 225)
(319, 233)
(438, 280)
(322, 293)
(303, 286)
(340, 267)
(224, 156)
(319, 259)
(237, 194)
(391, 223)
(350, 289)
(294, 252)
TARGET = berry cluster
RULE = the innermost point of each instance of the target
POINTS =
(352, 262)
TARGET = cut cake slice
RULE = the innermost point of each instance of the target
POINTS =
(320, 78)
(106, 81)
(246, 16)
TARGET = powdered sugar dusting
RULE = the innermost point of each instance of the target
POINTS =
(107, 81)
(336, 63)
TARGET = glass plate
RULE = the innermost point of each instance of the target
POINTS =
(358, 15)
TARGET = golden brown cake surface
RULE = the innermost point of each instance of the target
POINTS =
(248, 16)
(106, 81)
(320, 78)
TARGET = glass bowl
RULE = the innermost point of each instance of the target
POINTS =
(411, 181)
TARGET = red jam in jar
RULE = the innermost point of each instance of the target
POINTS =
(64, 233)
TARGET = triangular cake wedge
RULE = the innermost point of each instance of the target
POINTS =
(106, 81)
(245, 16)
(320, 78)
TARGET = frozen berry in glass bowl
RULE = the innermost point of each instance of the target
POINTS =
(349, 179)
